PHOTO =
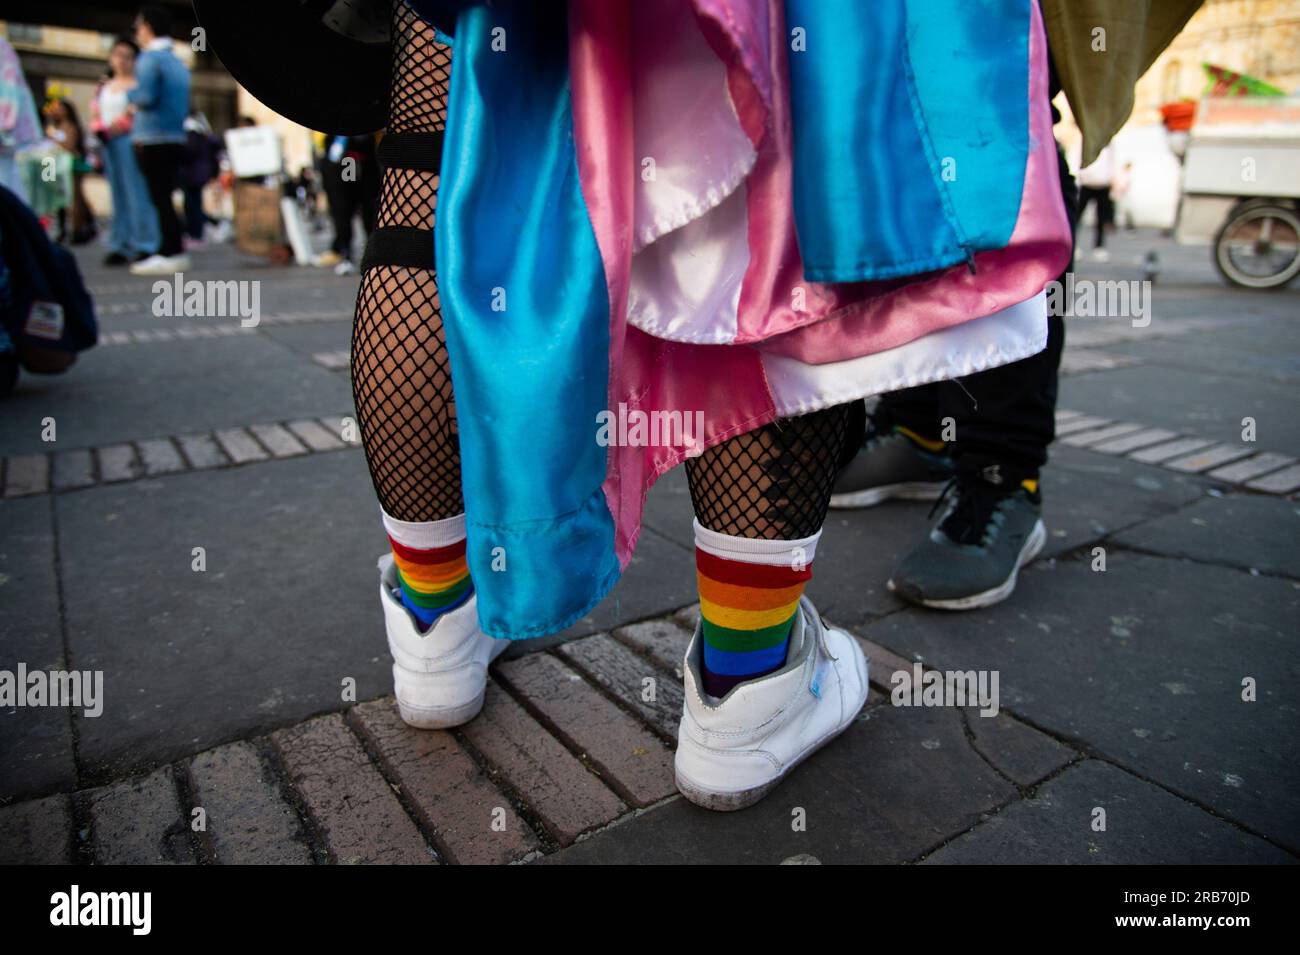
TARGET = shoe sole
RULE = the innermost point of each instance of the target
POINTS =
(906, 491)
(720, 801)
(987, 598)
(442, 717)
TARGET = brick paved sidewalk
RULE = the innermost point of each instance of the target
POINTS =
(569, 742)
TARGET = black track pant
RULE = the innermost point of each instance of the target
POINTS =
(160, 165)
(1004, 416)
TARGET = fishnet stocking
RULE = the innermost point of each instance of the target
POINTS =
(773, 483)
(401, 377)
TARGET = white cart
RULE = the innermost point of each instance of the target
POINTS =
(1241, 188)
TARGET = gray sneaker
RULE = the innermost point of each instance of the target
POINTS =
(975, 551)
(891, 465)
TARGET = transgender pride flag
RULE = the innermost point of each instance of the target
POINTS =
(746, 208)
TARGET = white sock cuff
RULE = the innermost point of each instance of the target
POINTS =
(425, 535)
(754, 551)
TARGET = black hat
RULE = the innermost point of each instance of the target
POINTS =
(325, 64)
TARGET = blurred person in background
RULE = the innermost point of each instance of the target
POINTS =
(134, 232)
(161, 101)
(1121, 194)
(202, 163)
(19, 125)
(63, 126)
(1096, 180)
(350, 173)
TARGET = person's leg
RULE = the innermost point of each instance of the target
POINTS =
(119, 231)
(766, 681)
(401, 375)
(401, 383)
(898, 451)
(1004, 419)
(1006, 416)
(768, 485)
(195, 219)
(1099, 226)
(159, 163)
(340, 220)
(350, 194)
(1105, 216)
(83, 217)
(146, 235)
(1091, 196)
(146, 157)
(368, 205)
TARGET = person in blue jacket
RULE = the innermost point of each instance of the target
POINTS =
(160, 102)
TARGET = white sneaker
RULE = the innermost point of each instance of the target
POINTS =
(179, 263)
(154, 265)
(732, 752)
(440, 675)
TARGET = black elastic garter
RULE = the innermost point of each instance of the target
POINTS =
(418, 151)
(402, 246)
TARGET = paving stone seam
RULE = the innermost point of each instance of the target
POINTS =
(61, 601)
(1125, 547)
(636, 648)
(667, 538)
(82, 827)
(174, 440)
(88, 848)
(1087, 750)
(312, 826)
(983, 818)
(442, 854)
(633, 814)
(600, 686)
(1085, 755)
(274, 767)
(191, 331)
(968, 733)
(200, 842)
(606, 775)
(1065, 415)
(548, 841)
(1083, 550)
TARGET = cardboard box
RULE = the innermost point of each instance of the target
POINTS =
(258, 229)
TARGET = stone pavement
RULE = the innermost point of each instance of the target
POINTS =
(247, 715)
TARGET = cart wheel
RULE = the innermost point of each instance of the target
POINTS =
(1259, 247)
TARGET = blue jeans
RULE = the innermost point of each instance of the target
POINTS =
(135, 223)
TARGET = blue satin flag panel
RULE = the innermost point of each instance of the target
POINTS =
(527, 318)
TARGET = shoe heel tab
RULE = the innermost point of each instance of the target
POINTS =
(814, 619)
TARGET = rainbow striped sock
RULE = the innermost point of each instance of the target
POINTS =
(749, 595)
(431, 569)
